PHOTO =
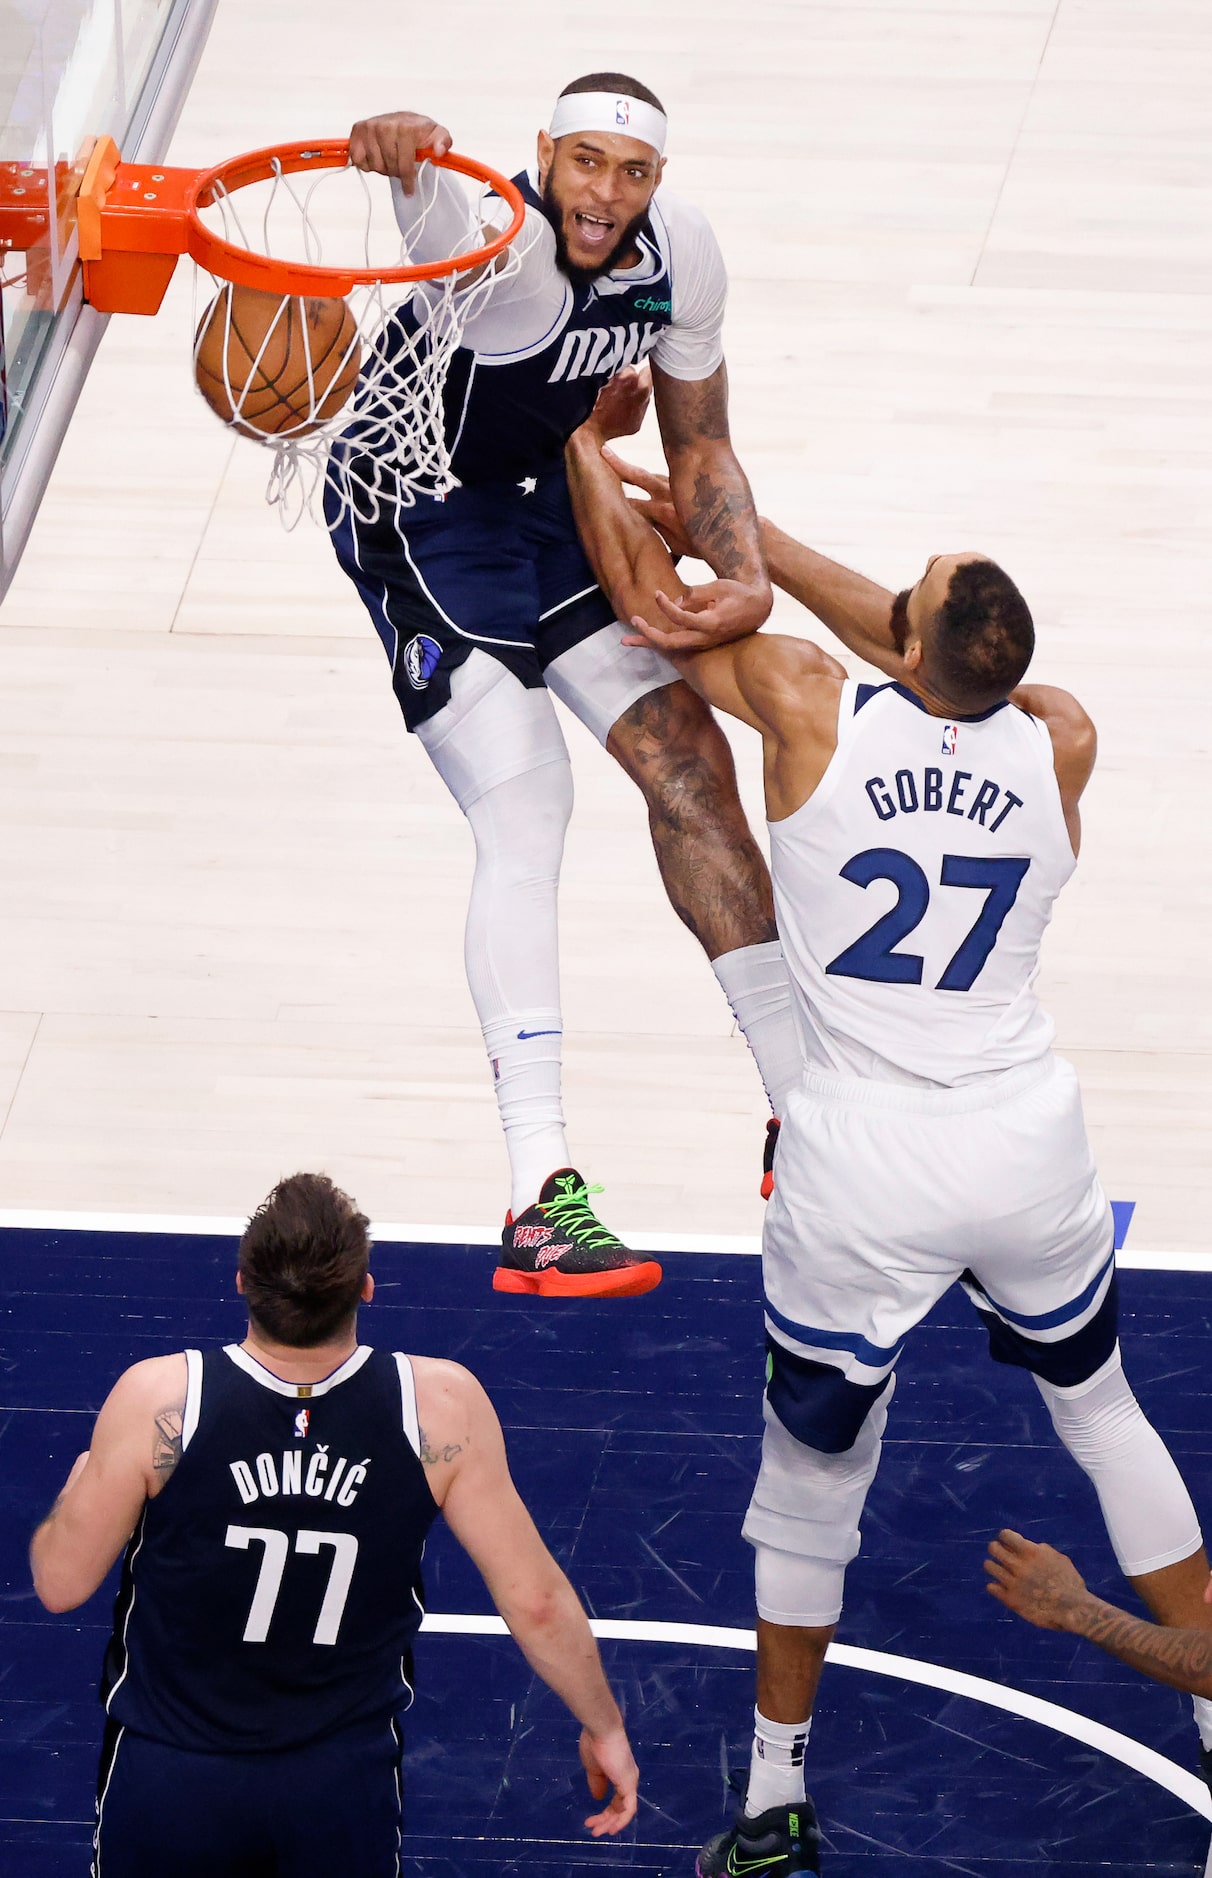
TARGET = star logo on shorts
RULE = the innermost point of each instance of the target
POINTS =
(528, 485)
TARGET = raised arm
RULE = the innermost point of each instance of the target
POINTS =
(1046, 1588)
(856, 610)
(136, 1444)
(712, 496)
(463, 1450)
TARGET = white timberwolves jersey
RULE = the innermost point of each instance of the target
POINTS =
(913, 889)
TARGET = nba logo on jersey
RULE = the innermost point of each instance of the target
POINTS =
(950, 738)
(421, 655)
(301, 1422)
(622, 110)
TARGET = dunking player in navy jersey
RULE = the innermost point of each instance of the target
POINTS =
(920, 831)
(273, 1498)
(485, 602)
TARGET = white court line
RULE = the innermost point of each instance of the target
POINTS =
(1188, 1788)
(390, 1232)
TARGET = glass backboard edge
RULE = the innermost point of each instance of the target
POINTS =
(66, 366)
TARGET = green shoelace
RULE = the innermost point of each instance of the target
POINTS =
(571, 1212)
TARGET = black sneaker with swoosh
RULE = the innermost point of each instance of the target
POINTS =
(559, 1248)
(781, 1843)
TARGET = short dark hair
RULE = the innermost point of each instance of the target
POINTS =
(303, 1261)
(982, 637)
(614, 81)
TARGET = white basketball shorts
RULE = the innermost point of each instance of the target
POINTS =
(886, 1194)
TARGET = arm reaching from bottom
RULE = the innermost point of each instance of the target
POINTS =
(627, 554)
(1046, 1588)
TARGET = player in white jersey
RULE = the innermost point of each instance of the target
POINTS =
(485, 604)
(920, 832)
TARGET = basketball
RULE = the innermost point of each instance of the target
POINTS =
(275, 364)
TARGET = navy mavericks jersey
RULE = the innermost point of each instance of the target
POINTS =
(272, 1590)
(509, 415)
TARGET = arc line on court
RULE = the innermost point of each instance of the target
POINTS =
(1188, 1788)
(391, 1232)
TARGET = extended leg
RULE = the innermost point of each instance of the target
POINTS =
(713, 871)
(712, 868)
(803, 1523)
(501, 753)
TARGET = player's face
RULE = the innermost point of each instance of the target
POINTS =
(597, 188)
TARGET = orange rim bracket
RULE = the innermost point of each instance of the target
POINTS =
(132, 222)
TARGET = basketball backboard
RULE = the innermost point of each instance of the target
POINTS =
(71, 71)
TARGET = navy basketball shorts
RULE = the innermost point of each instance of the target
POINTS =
(332, 1807)
(887, 1194)
(495, 565)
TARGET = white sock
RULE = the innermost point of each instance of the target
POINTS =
(525, 1055)
(754, 981)
(776, 1767)
(1203, 1719)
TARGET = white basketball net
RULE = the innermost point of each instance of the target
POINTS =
(386, 444)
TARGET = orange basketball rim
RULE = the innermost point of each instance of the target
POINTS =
(135, 220)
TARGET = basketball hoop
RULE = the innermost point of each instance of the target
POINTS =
(338, 365)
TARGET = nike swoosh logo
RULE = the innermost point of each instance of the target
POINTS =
(737, 1866)
(523, 1035)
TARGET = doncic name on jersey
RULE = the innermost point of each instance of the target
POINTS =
(323, 1478)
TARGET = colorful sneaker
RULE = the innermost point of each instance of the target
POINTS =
(780, 1843)
(772, 1142)
(558, 1248)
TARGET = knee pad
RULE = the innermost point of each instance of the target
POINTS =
(1066, 1362)
(1148, 1512)
(815, 1402)
(519, 827)
(805, 1593)
(809, 1504)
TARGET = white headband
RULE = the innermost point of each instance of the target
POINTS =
(619, 117)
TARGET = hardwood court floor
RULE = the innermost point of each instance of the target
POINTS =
(969, 245)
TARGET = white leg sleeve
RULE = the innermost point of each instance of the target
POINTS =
(803, 1520)
(1147, 1509)
(754, 980)
(501, 753)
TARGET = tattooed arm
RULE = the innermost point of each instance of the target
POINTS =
(463, 1452)
(715, 505)
(135, 1446)
(1044, 1586)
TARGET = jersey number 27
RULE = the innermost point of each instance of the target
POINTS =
(872, 955)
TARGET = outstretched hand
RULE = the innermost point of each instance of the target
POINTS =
(609, 1764)
(392, 145)
(1036, 1581)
